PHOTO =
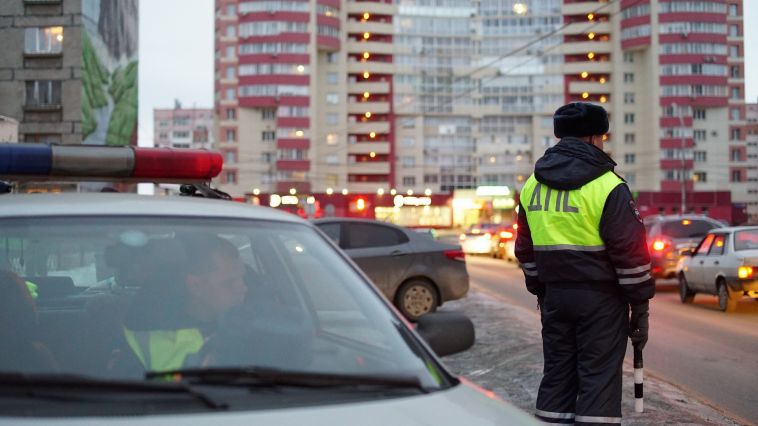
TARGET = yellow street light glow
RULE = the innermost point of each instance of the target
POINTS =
(590, 16)
(372, 135)
(256, 191)
(300, 68)
(520, 8)
(293, 191)
(410, 192)
(59, 37)
(367, 114)
(585, 74)
(366, 75)
(328, 13)
(366, 95)
(366, 35)
(329, 191)
(602, 80)
(428, 192)
(299, 133)
(372, 154)
(591, 55)
(585, 95)
(603, 99)
(493, 159)
(380, 191)
(591, 36)
(366, 55)
(393, 191)
(366, 16)
(605, 137)
(344, 191)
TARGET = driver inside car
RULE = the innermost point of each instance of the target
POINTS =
(177, 309)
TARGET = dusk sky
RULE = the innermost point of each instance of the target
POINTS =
(176, 57)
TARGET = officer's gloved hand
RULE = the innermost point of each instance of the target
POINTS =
(639, 324)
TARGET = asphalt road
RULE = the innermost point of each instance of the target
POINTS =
(708, 353)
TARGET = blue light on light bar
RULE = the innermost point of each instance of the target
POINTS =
(25, 159)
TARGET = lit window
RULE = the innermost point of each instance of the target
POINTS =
(43, 40)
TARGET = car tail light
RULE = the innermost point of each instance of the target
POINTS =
(745, 272)
(506, 235)
(462, 237)
(659, 245)
(455, 255)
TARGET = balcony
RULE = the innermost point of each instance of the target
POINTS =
(596, 67)
(368, 147)
(369, 46)
(585, 27)
(358, 27)
(299, 165)
(357, 67)
(579, 8)
(371, 7)
(369, 168)
(590, 87)
(371, 87)
(365, 128)
(373, 107)
(582, 47)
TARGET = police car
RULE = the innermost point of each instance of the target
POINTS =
(132, 309)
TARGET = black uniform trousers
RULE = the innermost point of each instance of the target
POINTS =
(584, 337)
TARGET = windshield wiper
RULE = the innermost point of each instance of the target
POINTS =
(271, 377)
(72, 383)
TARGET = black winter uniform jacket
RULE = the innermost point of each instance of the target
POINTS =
(624, 263)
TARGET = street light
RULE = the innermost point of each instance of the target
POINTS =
(520, 8)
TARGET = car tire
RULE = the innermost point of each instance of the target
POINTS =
(685, 294)
(416, 298)
(727, 299)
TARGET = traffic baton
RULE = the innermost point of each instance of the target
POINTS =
(638, 380)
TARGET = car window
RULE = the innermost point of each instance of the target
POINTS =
(364, 235)
(746, 240)
(719, 243)
(687, 228)
(705, 244)
(333, 230)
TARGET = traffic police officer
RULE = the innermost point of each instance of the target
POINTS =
(581, 244)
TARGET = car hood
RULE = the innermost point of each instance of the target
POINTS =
(460, 405)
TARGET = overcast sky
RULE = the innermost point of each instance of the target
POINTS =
(176, 56)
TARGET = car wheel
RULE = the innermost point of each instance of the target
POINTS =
(416, 298)
(685, 294)
(727, 299)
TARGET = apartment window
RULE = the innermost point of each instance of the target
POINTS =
(331, 139)
(230, 73)
(43, 93)
(734, 72)
(268, 135)
(46, 138)
(736, 93)
(43, 40)
(332, 98)
(230, 135)
(331, 58)
(231, 177)
(332, 159)
(163, 135)
(630, 178)
(231, 157)
(431, 178)
(628, 77)
(699, 134)
(734, 51)
(229, 51)
(629, 158)
(268, 114)
(231, 31)
(408, 142)
(736, 155)
(698, 114)
(735, 114)
(231, 114)
(630, 138)
(734, 31)
(180, 134)
(629, 118)
(628, 98)
(700, 156)
(230, 10)
(735, 134)
(408, 123)
(409, 180)
(332, 78)
(332, 118)
(700, 176)
(408, 161)
(230, 94)
(736, 175)
(629, 57)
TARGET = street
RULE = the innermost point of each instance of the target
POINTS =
(706, 352)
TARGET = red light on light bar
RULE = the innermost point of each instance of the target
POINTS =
(173, 163)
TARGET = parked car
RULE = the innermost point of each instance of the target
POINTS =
(137, 310)
(415, 272)
(668, 236)
(431, 232)
(503, 243)
(478, 239)
(725, 263)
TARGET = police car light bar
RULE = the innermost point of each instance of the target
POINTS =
(86, 162)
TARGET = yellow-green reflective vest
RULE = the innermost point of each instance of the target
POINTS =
(160, 350)
(567, 220)
(32, 289)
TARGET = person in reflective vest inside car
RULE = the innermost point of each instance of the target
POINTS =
(581, 245)
(177, 310)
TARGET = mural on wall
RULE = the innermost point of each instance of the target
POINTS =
(109, 72)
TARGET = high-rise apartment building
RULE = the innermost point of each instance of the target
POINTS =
(68, 70)
(415, 96)
(751, 140)
(184, 128)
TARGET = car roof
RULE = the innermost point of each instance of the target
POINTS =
(662, 218)
(120, 204)
(733, 229)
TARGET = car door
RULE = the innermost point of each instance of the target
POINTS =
(713, 262)
(694, 273)
(382, 252)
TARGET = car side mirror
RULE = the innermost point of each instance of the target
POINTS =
(446, 332)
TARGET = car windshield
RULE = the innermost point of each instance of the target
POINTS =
(746, 240)
(687, 228)
(119, 297)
